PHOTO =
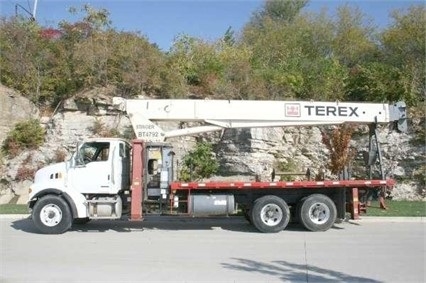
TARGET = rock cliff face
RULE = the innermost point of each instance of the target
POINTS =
(244, 154)
(13, 109)
(257, 151)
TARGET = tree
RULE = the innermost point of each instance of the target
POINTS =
(296, 59)
(403, 45)
(199, 163)
(375, 81)
(337, 142)
(278, 11)
(26, 58)
(353, 42)
(229, 37)
(216, 69)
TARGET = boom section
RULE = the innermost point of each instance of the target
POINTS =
(219, 114)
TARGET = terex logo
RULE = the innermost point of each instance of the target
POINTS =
(343, 111)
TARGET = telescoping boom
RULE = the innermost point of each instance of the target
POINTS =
(221, 114)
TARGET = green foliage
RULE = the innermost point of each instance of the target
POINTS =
(398, 208)
(25, 58)
(298, 59)
(283, 52)
(354, 39)
(375, 82)
(420, 176)
(229, 37)
(199, 163)
(288, 166)
(14, 209)
(404, 48)
(98, 19)
(25, 135)
(220, 70)
(280, 11)
(417, 115)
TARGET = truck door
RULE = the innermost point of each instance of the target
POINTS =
(92, 169)
(120, 178)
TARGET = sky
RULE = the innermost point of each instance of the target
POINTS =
(161, 21)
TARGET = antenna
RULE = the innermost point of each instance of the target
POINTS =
(32, 15)
(35, 9)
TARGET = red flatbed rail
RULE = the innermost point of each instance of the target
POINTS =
(283, 185)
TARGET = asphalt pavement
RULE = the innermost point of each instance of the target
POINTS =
(179, 249)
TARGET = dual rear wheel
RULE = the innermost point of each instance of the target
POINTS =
(316, 212)
(271, 214)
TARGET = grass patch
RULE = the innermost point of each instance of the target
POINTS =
(398, 208)
(13, 209)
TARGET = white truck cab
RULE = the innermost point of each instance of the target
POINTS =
(91, 183)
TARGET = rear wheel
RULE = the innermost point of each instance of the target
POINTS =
(317, 212)
(51, 215)
(270, 214)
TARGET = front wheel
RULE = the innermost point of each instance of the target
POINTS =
(51, 215)
(317, 212)
(270, 214)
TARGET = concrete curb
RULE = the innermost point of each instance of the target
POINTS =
(14, 216)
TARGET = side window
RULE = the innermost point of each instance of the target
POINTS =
(90, 152)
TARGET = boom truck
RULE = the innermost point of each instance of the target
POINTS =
(111, 178)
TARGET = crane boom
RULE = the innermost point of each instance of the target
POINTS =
(220, 114)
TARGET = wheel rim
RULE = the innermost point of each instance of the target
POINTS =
(51, 215)
(319, 213)
(271, 214)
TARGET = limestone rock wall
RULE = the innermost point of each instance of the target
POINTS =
(243, 154)
(13, 109)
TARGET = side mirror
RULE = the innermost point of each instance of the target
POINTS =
(77, 158)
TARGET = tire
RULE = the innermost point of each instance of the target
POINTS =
(80, 221)
(317, 212)
(51, 215)
(270, 214)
